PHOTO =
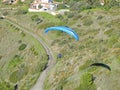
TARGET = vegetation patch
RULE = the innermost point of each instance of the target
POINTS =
(5, 85)
(34, 51)
(22, 47)
(22, 33)
(86, 82)
(15, 61)
(18, 74)
(108, 32)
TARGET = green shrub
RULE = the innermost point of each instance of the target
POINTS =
(38, 20)
(99, 17)
(22, 47)
(5, 13)
(32, 48)
(34, 51)
(23, 34)
(109, 31)
(60, 16)
(39, 6)
(34, 17)
(20, 41)
(17, 29)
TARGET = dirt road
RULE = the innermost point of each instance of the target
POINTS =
(40, 82)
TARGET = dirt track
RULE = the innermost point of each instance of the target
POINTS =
(40, 82)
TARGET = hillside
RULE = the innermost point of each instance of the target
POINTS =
(99, 43)
(22, 57)
(98, 29)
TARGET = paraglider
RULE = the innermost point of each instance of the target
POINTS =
(59, 55)
(102, 65)
(64, 29)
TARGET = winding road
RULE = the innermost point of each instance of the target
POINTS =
(51, 62)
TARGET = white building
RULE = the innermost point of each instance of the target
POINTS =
(43, 5)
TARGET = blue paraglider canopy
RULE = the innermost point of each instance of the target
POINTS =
(64, 29)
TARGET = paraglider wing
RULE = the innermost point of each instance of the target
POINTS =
(102, 65)
(64, 29)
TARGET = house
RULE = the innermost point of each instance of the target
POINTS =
(43, 5)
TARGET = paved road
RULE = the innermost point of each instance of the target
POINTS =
(40, 82)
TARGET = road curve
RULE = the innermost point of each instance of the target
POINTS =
(40, 82)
